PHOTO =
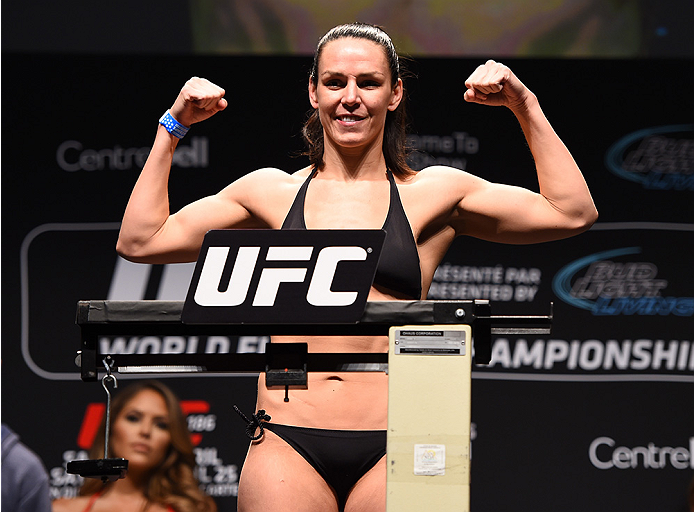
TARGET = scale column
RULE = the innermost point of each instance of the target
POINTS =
(428, 447)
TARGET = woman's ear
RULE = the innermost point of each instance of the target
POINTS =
(396, 96)
(312, 93)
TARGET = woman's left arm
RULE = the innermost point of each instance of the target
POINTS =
(562, 208)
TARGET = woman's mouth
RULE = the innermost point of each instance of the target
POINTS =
(349, 119)
(140, 447)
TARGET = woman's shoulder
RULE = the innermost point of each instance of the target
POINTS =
(265, 192)
(274, 176)
(77, 504)
(440, 177)
(436, 172)
(80, 504)
(277, 173)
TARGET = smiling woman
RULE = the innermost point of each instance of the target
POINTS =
(384, 80)
(149, 430)
(324, 450)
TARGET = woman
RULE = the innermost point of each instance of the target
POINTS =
(149, 430)
(358, 178)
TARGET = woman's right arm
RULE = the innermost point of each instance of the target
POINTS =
(149, 232)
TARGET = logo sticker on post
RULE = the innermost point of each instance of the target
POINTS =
(273, 276)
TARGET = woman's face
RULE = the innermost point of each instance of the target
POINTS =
(353, 92)
(140, 433)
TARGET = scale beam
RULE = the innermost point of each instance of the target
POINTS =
(98, 318)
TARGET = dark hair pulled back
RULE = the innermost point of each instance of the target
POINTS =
(395, 148)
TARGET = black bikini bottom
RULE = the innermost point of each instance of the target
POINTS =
(341, 457)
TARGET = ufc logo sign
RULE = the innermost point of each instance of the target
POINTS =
(319, 293)
(273, 276)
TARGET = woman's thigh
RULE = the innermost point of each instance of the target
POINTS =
(369, 493)
(276, 478)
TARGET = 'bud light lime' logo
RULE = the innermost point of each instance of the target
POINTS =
(605, 285)
(659, 158)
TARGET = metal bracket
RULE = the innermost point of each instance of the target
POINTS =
(286, 365)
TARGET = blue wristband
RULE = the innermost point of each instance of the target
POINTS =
(172, 126)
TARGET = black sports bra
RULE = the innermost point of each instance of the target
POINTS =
(398, 268)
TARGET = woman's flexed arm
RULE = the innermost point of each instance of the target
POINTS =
(148, 231)
(564, 205)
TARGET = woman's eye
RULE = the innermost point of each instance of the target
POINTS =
(162, 425)
(333, 84)
(132, 418)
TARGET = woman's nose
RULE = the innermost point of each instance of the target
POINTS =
(351, 94)
(145, 428)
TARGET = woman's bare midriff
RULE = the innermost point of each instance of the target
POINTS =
(338, 400)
